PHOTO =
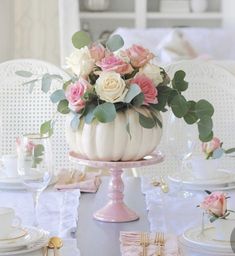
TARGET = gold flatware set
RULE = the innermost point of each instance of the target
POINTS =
(159, 241)
(162, 184)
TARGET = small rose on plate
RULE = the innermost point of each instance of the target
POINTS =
(215, 205)
(213, 149)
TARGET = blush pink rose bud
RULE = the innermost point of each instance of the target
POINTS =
(97, 52)
(114, 63)
(139, 56)
(209, 147)
(74, 94)
(147, 87)
(215, 204)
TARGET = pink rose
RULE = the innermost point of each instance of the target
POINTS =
(209, 147)
(97, 52)
(114, 63)
(138, 55)
(215, 204)
(74, 94)
(147, 87)
(29, 147)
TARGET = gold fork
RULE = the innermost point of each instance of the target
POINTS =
(144, 242)
(160, 242)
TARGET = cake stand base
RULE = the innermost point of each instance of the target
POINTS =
(116, 210)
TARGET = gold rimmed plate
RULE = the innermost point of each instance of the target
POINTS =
(16, 233)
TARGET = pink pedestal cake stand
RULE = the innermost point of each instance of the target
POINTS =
(116, 210)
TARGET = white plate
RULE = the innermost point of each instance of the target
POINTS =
(13, 183)
(195, 238)
(16, 233)
(34, 234)
(222, 180)
(39, 244)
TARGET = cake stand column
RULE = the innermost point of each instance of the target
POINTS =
(116, 210)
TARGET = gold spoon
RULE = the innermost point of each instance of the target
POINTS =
(55, 243)
(164, 186)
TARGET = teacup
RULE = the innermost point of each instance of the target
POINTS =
(224, 228)
(203, 168)
(9, 165)
(8, 219)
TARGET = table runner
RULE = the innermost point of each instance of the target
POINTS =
(57, 213)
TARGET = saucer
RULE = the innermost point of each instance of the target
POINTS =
(33, 235)
(16, 233)
(194, 237)
(222, 180)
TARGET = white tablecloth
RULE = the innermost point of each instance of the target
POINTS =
(57, 213)
(172, 214)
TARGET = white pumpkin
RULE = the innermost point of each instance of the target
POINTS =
(111, 141)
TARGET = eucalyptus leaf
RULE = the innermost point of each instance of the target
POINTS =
(178, 81)
(29, 82)
(138, 100)
(171, 96)
(133, 91)
(47, 128)
(24, 73)
(114, 43)
(128, 129)
(191, 117)
(146, 122)
(229, 151)
(204, 108)
(105, 112)
(179, 106)
(66, 84)
(80, 39)
(46, 82)
(57, 96)
(205, 126)
(206, 138)
(63, 107)
(89, 113)
(75, 121)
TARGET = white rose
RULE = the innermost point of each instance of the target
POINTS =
(153, 72)
(110, 87)
(80, 62)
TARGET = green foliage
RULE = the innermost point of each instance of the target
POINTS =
(38, 152)
(57, 96)
(146, 122)
(80, 39)
(178, 81)
(75, 121)
(133, 91)
(62, 107)
(24, 73)
(114, 43)
(138, 100)
(47, 128)
(105, 112)
(179, 106)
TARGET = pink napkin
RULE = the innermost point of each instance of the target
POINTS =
(75, 179)
(130, 244)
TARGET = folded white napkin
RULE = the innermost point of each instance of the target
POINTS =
(57, 210)
(130, 244)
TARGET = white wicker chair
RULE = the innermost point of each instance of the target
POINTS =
(207, 80)
(23, 112)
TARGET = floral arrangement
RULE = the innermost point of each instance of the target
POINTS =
(213, 149)
(105, 79)
(215, 205)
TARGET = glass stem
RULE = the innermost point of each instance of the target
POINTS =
(35, 205)
(180, 166)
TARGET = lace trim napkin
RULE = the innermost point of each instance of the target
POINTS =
(130, 244)
(75, 179)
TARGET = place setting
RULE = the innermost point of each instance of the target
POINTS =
(215, 235)
(204, 170)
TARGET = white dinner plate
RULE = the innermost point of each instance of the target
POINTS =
(196, 239)
(33, 235)
(222, 180)
(37, 245)
(16, 233)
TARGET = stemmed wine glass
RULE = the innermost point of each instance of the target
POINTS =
(181, 141)
(35, 165)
